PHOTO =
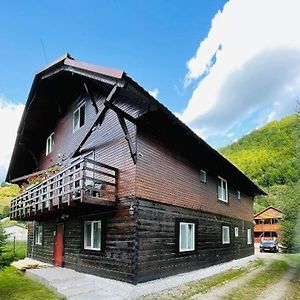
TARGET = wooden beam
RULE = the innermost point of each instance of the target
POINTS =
(132, 149)
(98, 119)
(90, 94)
(121, 112)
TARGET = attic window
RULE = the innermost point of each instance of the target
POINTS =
(50, 144)
(239, 195)
(79, 117)
(203, 176)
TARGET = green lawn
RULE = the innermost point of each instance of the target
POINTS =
(254, 287)
(15, 286)
(20, 249)
(203, 286)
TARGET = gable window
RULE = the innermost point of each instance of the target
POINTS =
(186, 236)
(249, 236)
(222, 189)
(236, 231)
(92, 235)
(50, 143)
(203, 176)
(225, 235)
(79, 117)
(239, 195)
(38, 235)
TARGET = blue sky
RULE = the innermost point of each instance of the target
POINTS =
(223, 67)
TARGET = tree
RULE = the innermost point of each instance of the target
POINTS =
(5, 212)
(5, 259)
(290, 224)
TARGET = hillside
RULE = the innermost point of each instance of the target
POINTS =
(270, 157)
(7, 192)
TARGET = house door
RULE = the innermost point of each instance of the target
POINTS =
(59, 245)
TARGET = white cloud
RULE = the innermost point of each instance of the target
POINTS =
(154, 93)
(248, 66)
(10, 115)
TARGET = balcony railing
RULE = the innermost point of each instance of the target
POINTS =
(266, 227)
(84, 181)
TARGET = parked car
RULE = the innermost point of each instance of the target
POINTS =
(269, 245)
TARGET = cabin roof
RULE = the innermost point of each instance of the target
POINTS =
(114, 76)
(269, 212)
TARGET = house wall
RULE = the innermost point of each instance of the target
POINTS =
(158, 254)
(107, 142)
(16, 233)
(144, 246)
(117, 260)
(164, 175)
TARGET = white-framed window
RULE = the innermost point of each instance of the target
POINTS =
(38, 235)
(225, 235)
(236, 231)
(238, 195)
(249, 236)
(186, 236)
(203, 176)
(50, 143)
(222, 189)
(92, 235)
(79, 117)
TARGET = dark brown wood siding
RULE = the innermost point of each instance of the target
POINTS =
(107, 142)
(158, 253)
(118, 256)
(166, 176)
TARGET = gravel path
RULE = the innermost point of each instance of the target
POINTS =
(281, 288)
(78, 286)
(219, 292)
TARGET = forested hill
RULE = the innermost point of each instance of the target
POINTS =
(269, 155)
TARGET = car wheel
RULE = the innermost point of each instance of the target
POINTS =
(261, 251)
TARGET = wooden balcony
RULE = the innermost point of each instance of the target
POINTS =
(266, 227)
(84, 181)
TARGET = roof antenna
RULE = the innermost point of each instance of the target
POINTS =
(44, 50)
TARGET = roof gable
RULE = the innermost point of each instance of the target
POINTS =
(268, 213)
(111, 77)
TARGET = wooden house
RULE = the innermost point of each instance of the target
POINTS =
(267, 224)
(119, 186)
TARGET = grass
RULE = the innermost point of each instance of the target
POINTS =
(20, 249)
(254, 287)
(205, 285)
(294, 288)
(4, 201)
(15, 286)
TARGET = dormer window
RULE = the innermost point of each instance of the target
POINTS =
(222, 189)
(50, 143)
(79, 117)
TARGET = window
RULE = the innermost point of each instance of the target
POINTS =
(225, 235)
(79, 117)
(249, 236)
(50, 144)
(239, 195)
(222, 189)
(236, 231)
(92, 235)
(186, 236)
(38, 235)
(202, 176)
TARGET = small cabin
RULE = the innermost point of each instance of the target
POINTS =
(267, 224)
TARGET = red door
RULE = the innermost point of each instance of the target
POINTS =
(59, 245)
